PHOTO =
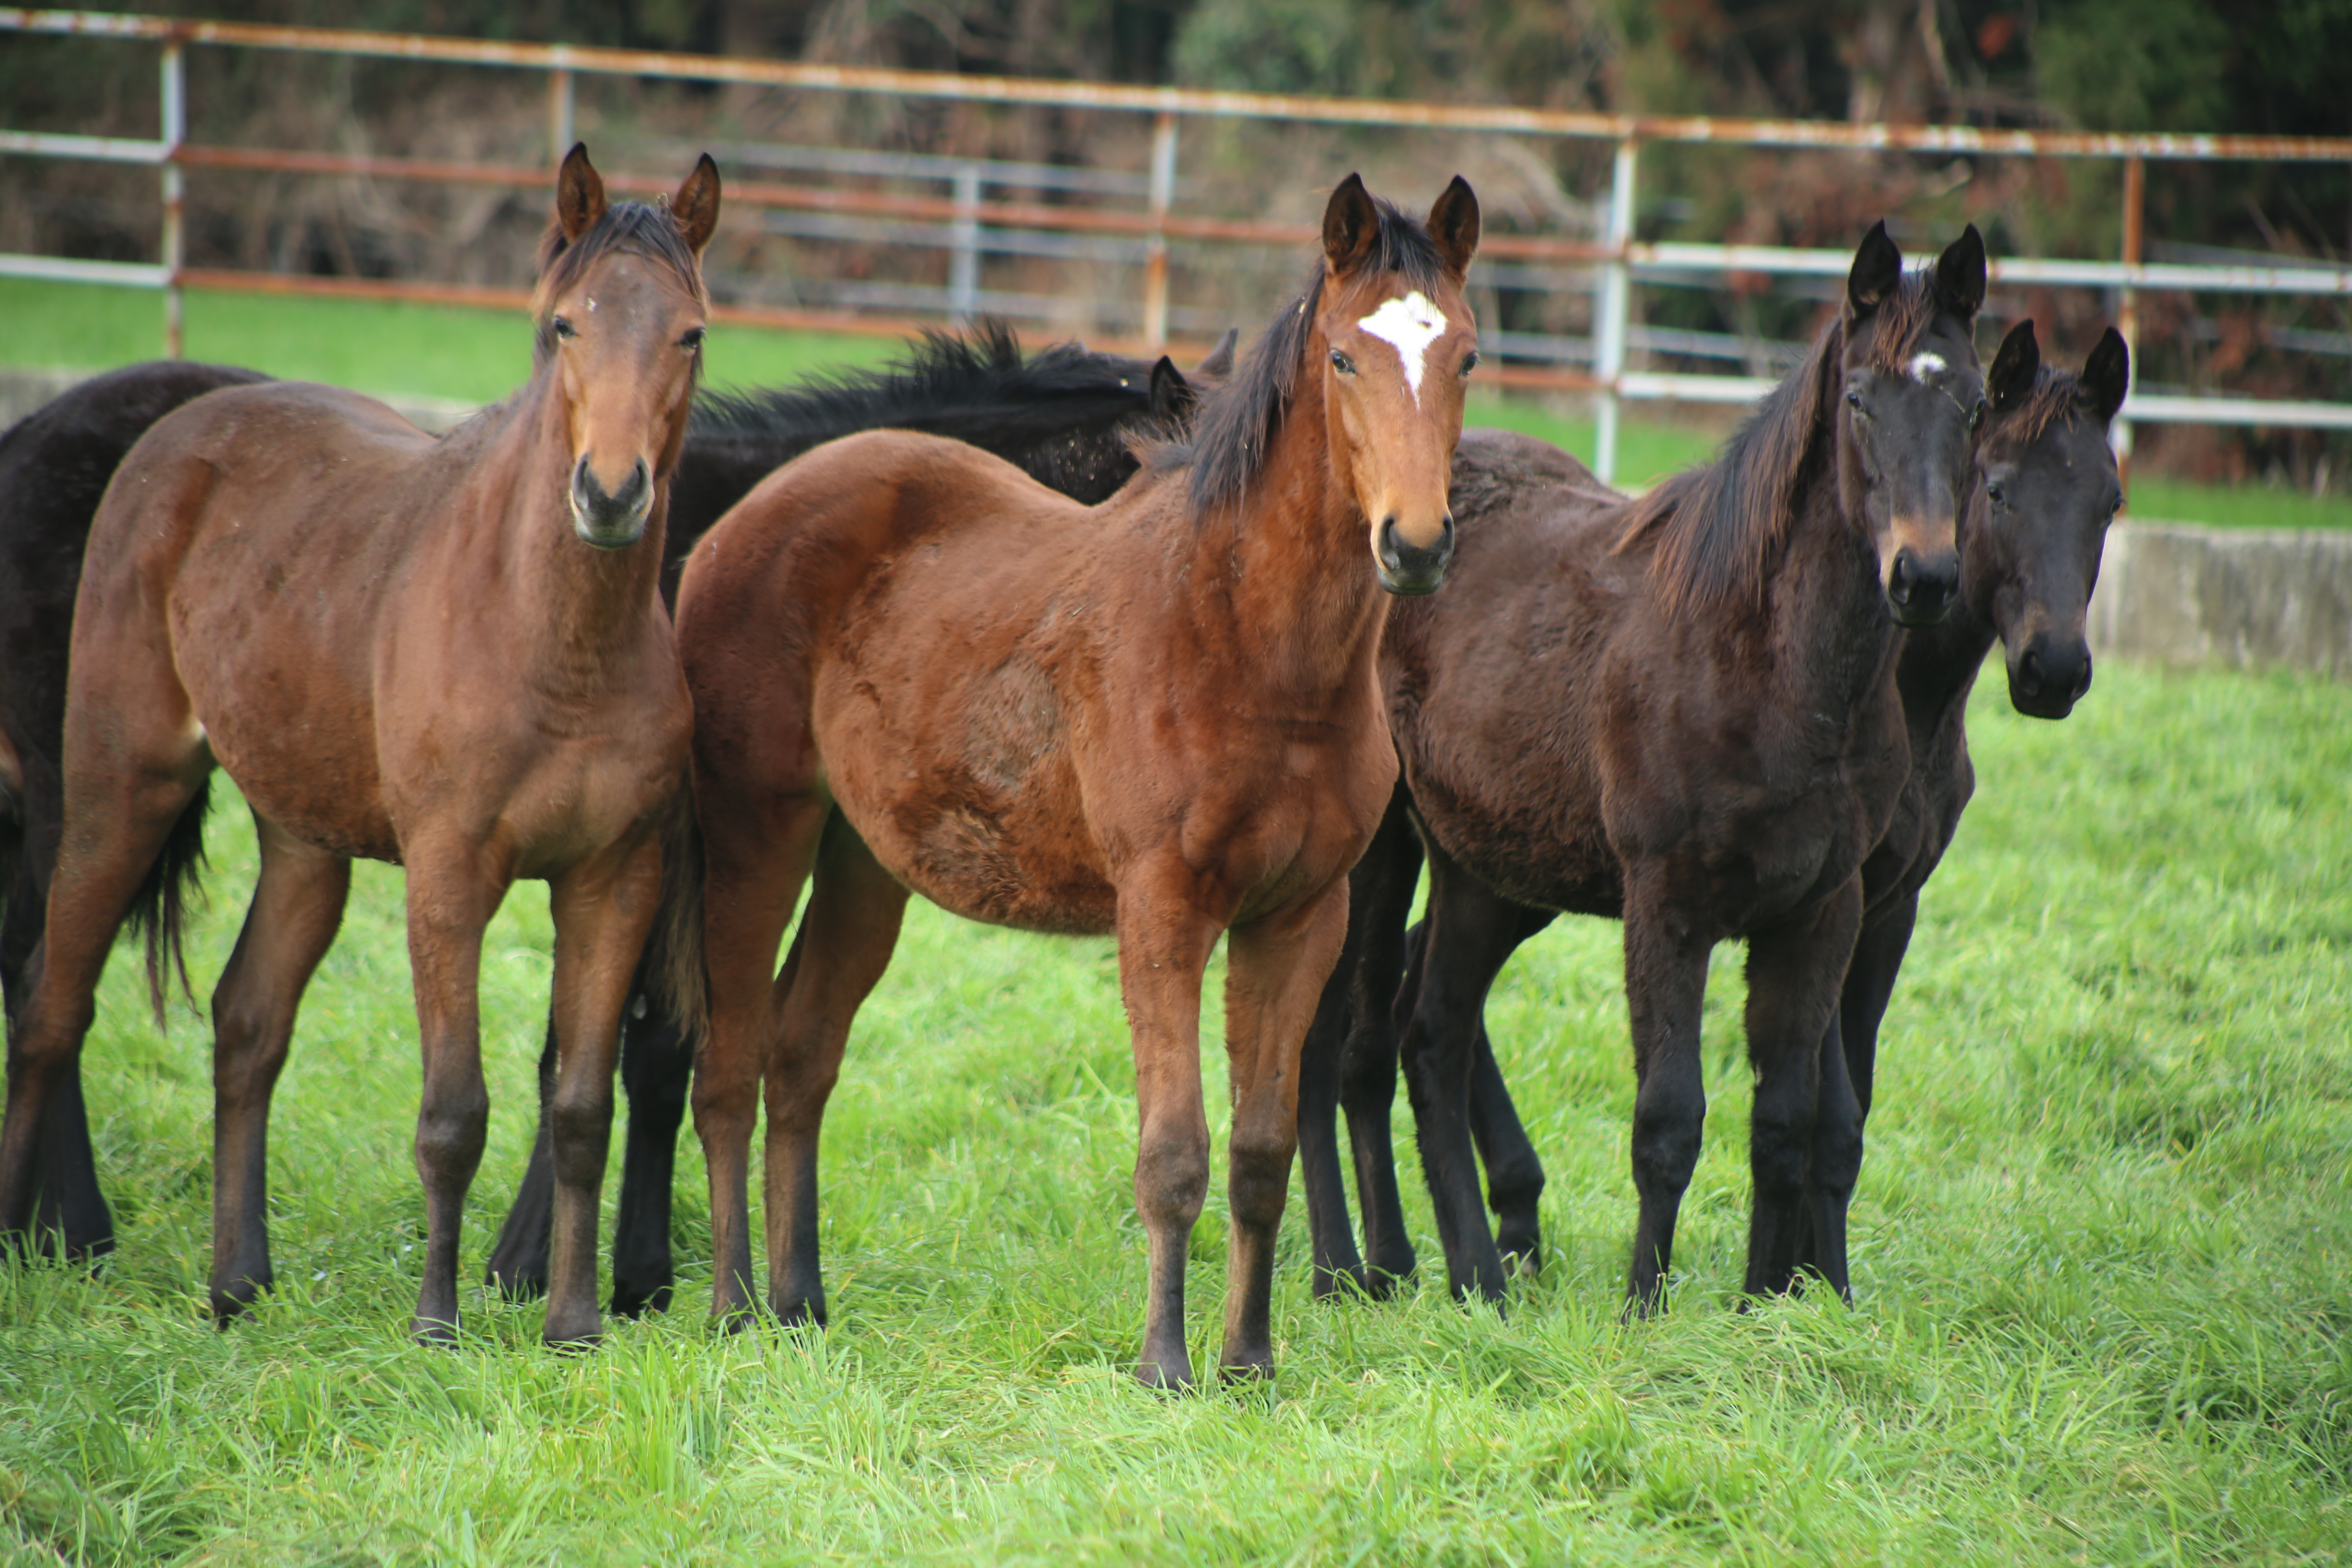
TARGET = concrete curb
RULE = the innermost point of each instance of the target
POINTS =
(2225, 598)
(22, 391)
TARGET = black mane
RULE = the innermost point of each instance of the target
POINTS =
(1238, 421)
(954, 385)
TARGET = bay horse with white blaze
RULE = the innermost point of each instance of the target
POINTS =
(448, 654)
(1679, 711)
(913, 667)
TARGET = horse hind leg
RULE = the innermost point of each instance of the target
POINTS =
(846, 942)
(518, 1264)
(121, 821)
(298, 906)
(656, 1071)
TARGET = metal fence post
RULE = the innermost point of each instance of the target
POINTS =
(1608, 326)
(562, 114)
(964, 265)
(176, 190)
(2127, 309)
(1155, 259)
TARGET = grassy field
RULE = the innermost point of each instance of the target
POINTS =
(451, 352)
(2104, 1260)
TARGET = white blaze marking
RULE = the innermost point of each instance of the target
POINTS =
(1408, 325)
(1924, 366)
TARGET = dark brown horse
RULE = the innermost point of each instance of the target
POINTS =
(449, 654)
(54, 465)
(2029, 542)
(1065, 416)
(913, 667)
(1680, 711)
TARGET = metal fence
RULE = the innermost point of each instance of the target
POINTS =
(965, 222)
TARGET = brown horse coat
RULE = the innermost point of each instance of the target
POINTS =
(449, 654)
(915, 668)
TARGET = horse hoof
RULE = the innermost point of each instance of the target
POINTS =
(1247, 1369)
(573, 1342)
(1165, 1376)
(629, 1301)
(1339, 1284)
(807, 1312)
(438, 1332)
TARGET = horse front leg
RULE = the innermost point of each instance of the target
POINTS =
(602, 909)
(1666, 984)
(1167, 926)
(298, 906)
(1350, 1059)
(452, 895)
(1276, 970)
(843, 947)
(1470, 932)
(1804, 1135)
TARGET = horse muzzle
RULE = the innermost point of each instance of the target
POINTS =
(2049, 678)
(1920, 587)
(1411, 569)
(614, 520)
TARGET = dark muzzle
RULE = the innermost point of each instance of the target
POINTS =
(1410, 569)
(2050, 677)
(1920, 588)
(613, 522)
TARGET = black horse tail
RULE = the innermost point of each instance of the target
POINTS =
(159, 909)
(677, 965)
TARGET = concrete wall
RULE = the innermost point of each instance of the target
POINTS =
(2227, 598)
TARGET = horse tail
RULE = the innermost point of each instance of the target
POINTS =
(159, 909)
(678, 966)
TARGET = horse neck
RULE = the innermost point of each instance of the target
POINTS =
(1939, 667)
(1293, 561)
(1835, 639)
(587, 607)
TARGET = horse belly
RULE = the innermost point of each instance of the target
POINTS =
(982, 812)
(300, 745)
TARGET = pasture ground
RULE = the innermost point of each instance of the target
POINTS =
(2103, 1259)
(453, 352)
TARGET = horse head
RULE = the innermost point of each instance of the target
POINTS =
(621, 311)
(1912, 399)
(2039, 518)
(1395, 339)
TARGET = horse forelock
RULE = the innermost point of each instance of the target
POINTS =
(1902, 322)
(1238, 422)
(639, 229)
(1716, 526)
(2057, 396)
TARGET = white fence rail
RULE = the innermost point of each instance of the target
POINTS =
(968, 226)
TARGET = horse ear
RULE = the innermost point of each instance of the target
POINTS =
(1350, 223)
(1453, 224)
(2014, 367)
(1220, 362)
(2107, 374)
(696, 206)
(1172, 397)
(1877, 268)
(578, 193)
(1960, 275)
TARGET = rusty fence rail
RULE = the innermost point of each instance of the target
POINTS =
(967, 225)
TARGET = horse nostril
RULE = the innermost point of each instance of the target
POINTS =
(2082, 681)
(2029, 674)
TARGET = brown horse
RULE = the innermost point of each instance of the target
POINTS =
(913, 667)
(448, 654)
(1680, 711)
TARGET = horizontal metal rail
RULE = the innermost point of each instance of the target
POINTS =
(968, 226)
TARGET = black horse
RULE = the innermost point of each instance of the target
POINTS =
(2030, 544)
(1679, 711)
(1065, 414)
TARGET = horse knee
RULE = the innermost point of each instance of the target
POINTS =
(451, 1131)
(1172, 1179)
(1666, 1146)
(1260, 1180)
(1779, 1147)
(580, 1126)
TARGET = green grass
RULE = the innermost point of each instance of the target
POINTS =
(444, 351)
(2103, 1259)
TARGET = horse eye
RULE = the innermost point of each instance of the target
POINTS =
(1853, 400)
(1342, 364)
(1995, 494)
(1471, 364)
(693, 339)
(563, 327)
